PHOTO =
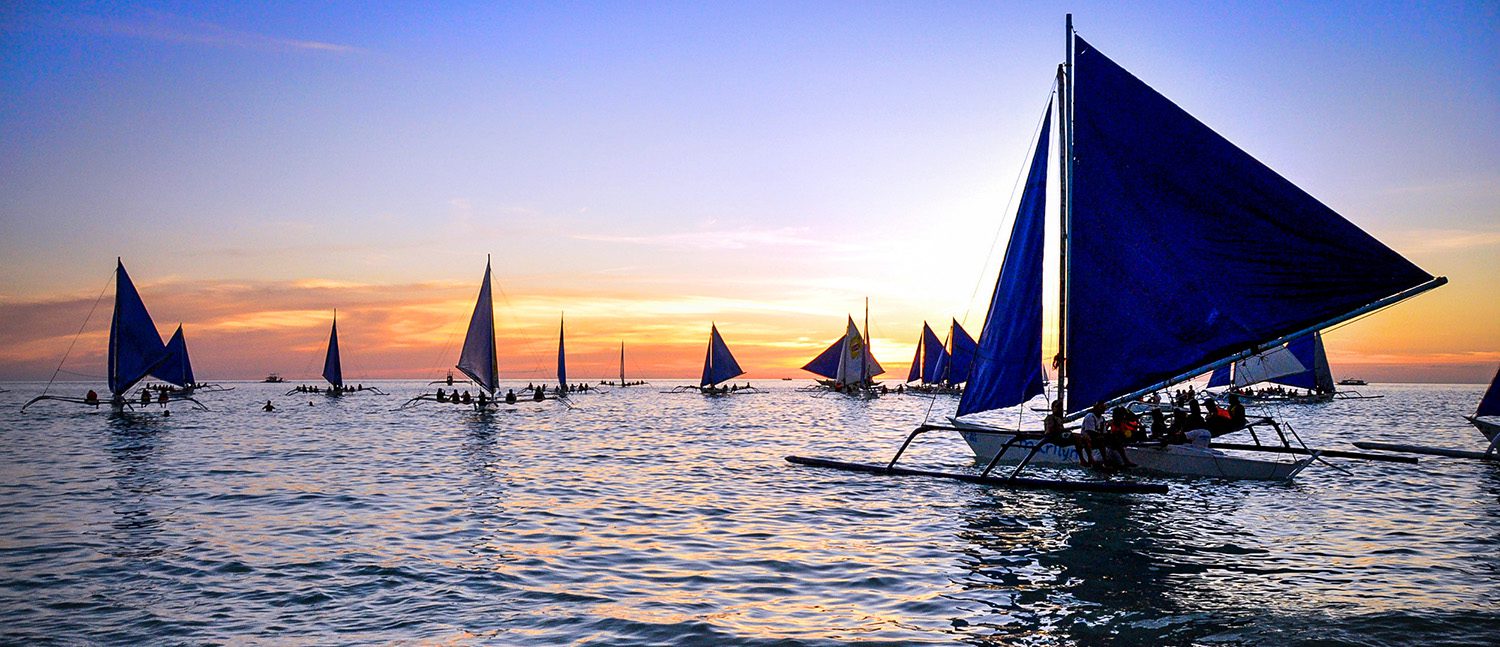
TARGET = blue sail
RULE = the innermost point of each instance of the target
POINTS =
(962, 359)
(1164, 209)
(135, 348)
(916, 360)
(1308, 349)
(1007, 368)
(1220, 377)
(176, 368)
(477, 360)
(333, 370)
(1490, 404)
(718, 364)
(826, 363)
(941, 365)
(562, 360)
(934, 355)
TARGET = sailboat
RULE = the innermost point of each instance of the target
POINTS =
(622, 381)
(1486, 419)
(1299, 364)
(924, 363)
(847, 365)
(177, 369)
(333, 370)
(1150, 200)
(952, 364)
(563, 389)
(135, 351)
(719, 366)
(477, 359)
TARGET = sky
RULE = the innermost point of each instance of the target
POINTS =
(648, 169)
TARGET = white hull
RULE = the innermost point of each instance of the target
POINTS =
(1175, 460)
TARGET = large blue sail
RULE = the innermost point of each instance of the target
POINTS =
(719, 364)
(135, 348)
(333, 369)
(1007, 368)
(1490, 404)
(478, 357)
(562, 360)
(826, 363)
(1164, 211)
(176, 368)
(1308, 349)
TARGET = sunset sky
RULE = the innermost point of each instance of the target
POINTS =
(649, 168)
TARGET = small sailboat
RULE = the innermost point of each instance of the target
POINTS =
(1301, 363)
(847, 365)
(333, 370)
(1150, 199)
(719, 366)
(623, 381)
(477, 359)
(135, 352)
(1486, 419)
(951, 364)
(563, 389)
(178, 369)
(924, 363)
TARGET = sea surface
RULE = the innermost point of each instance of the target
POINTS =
(638, 517)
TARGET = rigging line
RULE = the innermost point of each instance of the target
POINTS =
(926, 417)
(1011, 202)
(78, 334)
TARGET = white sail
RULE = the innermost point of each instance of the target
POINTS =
(853, 353)
(478, 358)
(1274, 363)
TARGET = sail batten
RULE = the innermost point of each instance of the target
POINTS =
(135, 347)
(478, 357)
(1162, 202)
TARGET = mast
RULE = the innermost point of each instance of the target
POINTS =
(622, 363)
(865, 358)
(1065, 205)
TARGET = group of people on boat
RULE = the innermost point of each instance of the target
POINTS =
(333, 390)
(1278, 392)
(630, 383)
(728, 388)
(1102, 439)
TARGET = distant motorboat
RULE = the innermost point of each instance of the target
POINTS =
(1352, 381)
(273, 379)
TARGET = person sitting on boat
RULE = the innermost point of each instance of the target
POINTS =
(268, 407)
(91, 398)
(1216, 420)
(1194, 418)
(1236, 411)
(162, 399)
(450, 379)
(145, 397)
(466, 398)
(1159, 429)
(481, 400)
(1092, 436)
(538, 395)
(441, 397)
(1052, 427)
(510, 396)
(1122, 426)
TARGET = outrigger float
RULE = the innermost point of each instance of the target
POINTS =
(1136, 316)
(135, 352)
(1486, 419)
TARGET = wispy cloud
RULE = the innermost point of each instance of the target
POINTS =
(742, 238)
(156, 25)
(1437, 240)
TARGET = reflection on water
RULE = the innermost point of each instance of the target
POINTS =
(640, 517)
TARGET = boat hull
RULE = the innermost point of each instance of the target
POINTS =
(1174, 460)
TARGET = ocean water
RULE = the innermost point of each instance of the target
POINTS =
(639, 517)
